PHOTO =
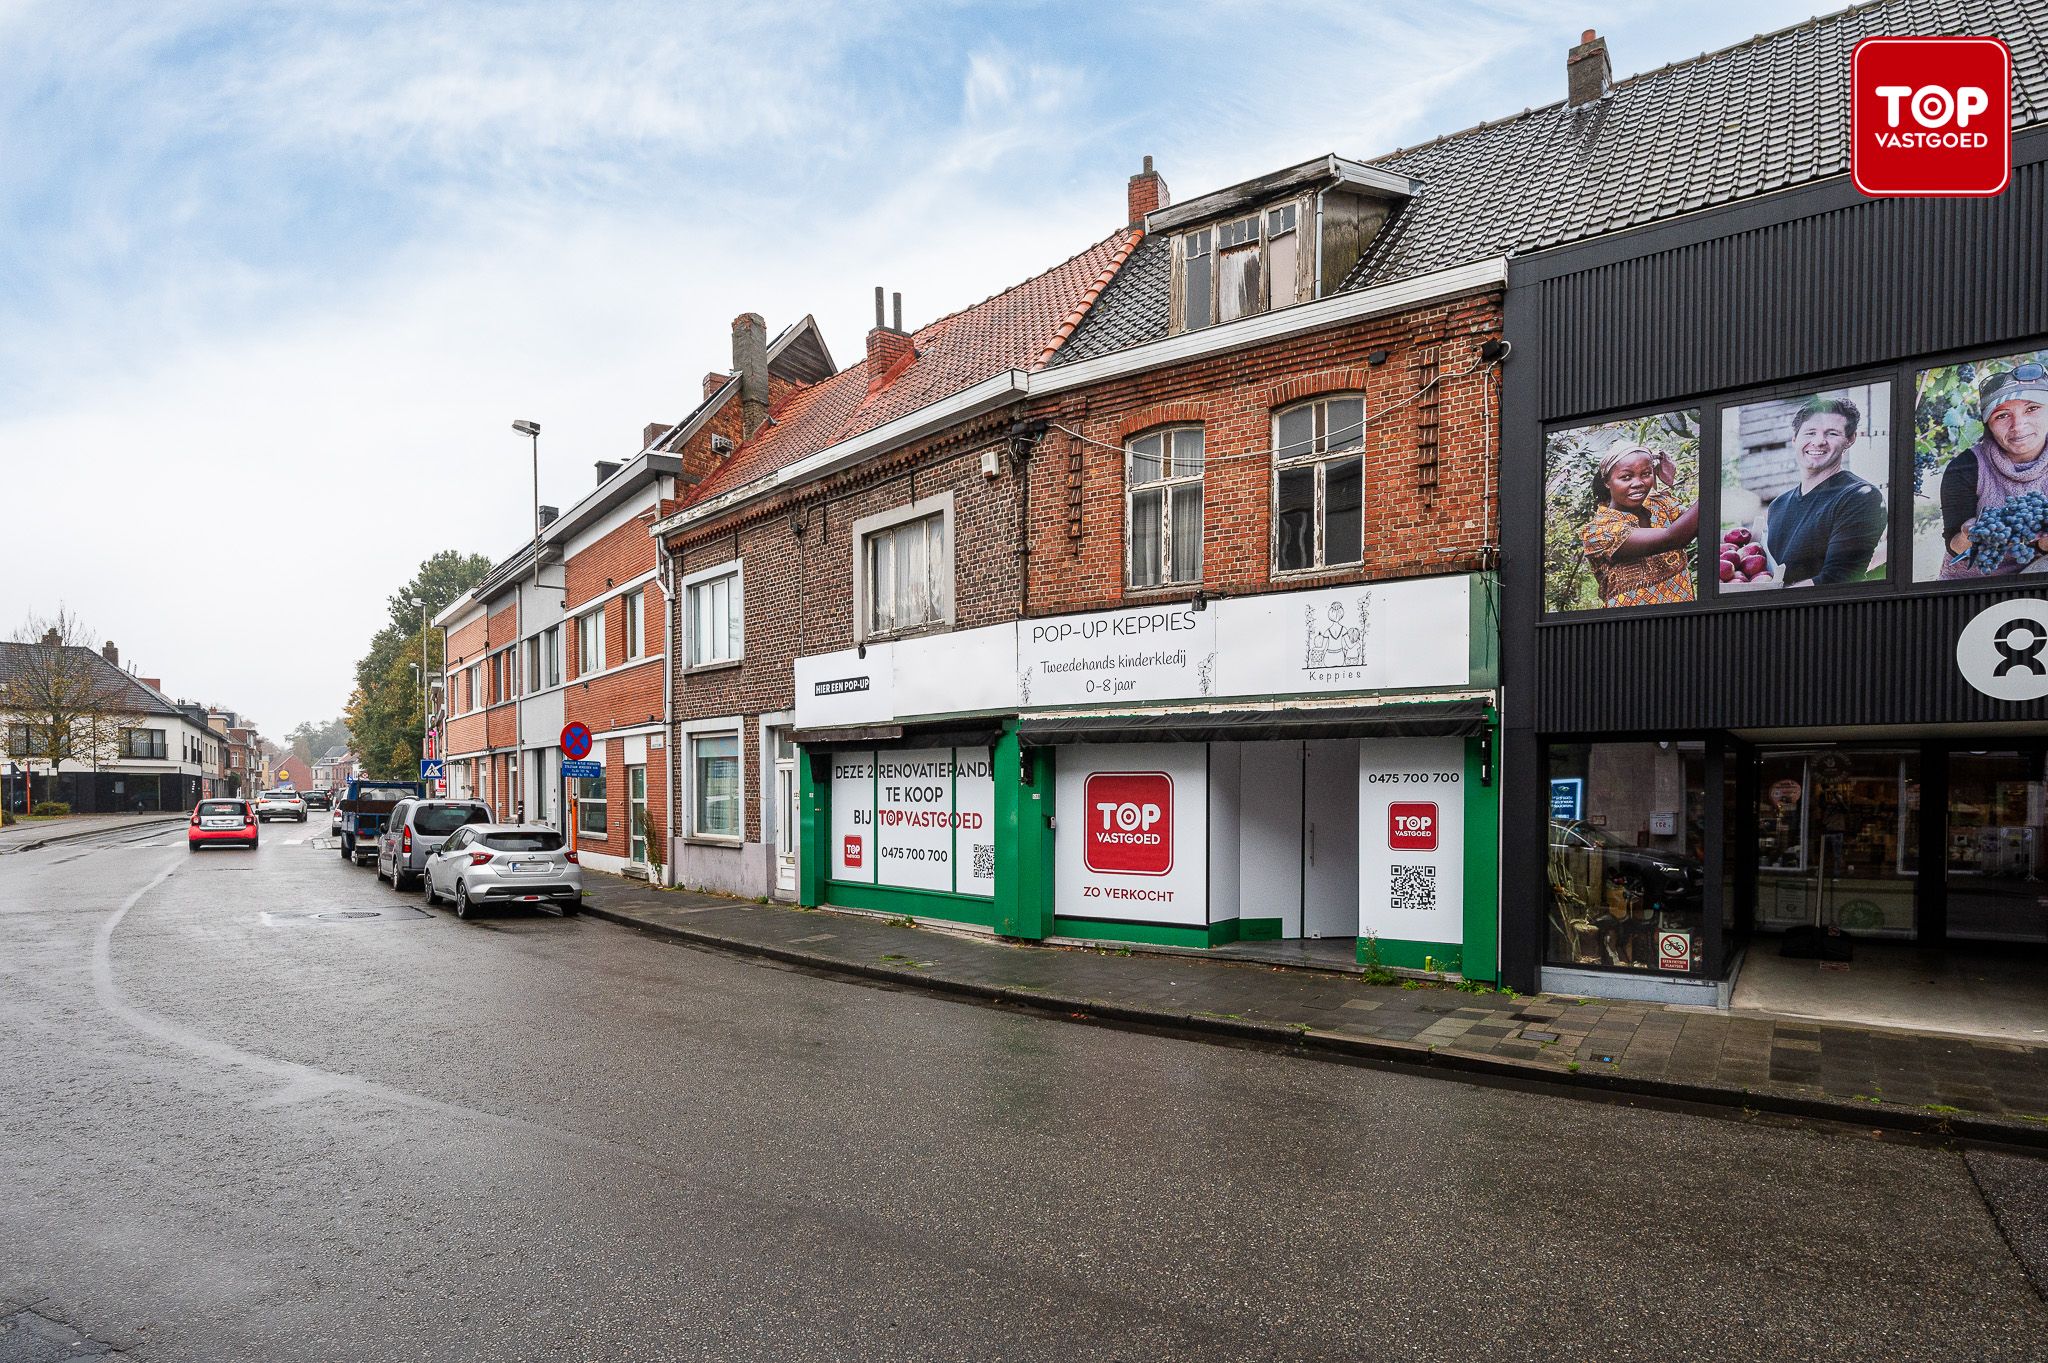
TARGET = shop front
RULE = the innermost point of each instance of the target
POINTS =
(1776, 655)
(1309, 767)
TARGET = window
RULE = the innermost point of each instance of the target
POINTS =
(1163, 515)
(590, 806)
(1627, 836)
(523, 842)
(906, 573)
(1319, 485)
(17, 740)
(715, 614)
(590, 642)
(636, 605)
(143, 743)
(551, 657)
(715, 759)
(1242, 267)
(532, 664)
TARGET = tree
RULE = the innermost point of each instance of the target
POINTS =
(310, 742)
(60, 700)
(386, 715)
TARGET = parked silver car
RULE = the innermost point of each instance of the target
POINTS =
(415, 830)
(506, 863)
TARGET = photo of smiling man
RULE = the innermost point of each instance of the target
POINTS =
(1803, 484)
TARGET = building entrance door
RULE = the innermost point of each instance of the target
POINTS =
(1329, 852)
(785, 814)
(1838, 840)
(636, 814)
(1993, 862)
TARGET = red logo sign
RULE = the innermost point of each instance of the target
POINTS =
(1930, 117)
(850, 850)
(1411, 826)
(1129, 821)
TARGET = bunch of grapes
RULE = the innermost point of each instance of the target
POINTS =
(1742, 558)
(2008, 529)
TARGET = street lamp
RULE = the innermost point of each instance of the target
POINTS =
(531, 430)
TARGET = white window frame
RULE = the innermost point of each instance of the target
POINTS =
(739, 795)
(635, 624)
(603, 804)
(736, 597)
(869, 526)
(551, 656)
(1319, 457)
(590, 623)
(1263, 226)
(1169, 480)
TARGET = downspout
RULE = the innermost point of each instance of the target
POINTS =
(673, 612)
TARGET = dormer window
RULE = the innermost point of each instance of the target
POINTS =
(1237, 268)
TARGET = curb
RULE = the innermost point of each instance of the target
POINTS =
(55, 838)
(1336, 1047)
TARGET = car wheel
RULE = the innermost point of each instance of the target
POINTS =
(427, 888)
(191, 847)
(302, 818)
(463, 908)
(402, 881)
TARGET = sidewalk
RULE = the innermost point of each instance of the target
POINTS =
(1873, 1077)
(26, 836)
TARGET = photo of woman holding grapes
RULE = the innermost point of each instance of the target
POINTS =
(1988, 514)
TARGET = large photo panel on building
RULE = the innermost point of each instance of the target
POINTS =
(1805, 490)
(1411, 840)
(1131, 843)
(1980, 483)
(1621, 513)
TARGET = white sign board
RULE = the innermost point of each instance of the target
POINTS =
(1388, 636)
(915, 818)
(2003, 651)
(1132, 839)
(843, 688)
(1411, 839)
(1150, 653)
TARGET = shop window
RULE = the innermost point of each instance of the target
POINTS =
(715, 760)
(1627, 863)
(1319, 485)
(1163, 507)
(1838, 839)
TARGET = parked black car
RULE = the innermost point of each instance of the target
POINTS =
(319, 799)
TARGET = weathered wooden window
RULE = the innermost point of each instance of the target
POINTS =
(907, 575)
(1163, 511)
(1319, 485)
(1238, 291)
(1240, 268)
(1283, 254)
(1195, 270)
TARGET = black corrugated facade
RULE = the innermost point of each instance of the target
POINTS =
(1795, 290)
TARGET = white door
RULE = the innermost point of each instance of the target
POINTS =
(636, 810)
(1270, 837)
(1329, 838)
(785, 814)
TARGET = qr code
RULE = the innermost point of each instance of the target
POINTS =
(984, 861)
(1414, 888)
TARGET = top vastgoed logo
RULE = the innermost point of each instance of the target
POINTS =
(1129, 823)
(1930, 117)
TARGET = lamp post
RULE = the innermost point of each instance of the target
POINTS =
(531, 430)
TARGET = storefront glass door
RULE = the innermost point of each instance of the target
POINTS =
(1994, 848)
(1838, 839)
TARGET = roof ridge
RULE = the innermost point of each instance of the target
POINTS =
(1753, 40)
(958, 313)
(1074, 317)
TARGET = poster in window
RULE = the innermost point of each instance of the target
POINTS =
(1805, 483)
(1621, 513)
(1980, 497)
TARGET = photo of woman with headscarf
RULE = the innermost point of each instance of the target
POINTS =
(1987, 516)
(1622, 513)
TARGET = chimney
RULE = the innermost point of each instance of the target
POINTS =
(153, 683)
(51, 639)
(750, 363)
(888, 346)
(714, 381)
(1147, 193)
(548, 515)
(111, 654)
(606, 468)
(1587, 76)
(653, 431)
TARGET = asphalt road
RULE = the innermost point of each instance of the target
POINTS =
(234, 1127)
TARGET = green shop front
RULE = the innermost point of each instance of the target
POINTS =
(1310, 769)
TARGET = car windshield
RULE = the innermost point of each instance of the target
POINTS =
(391, 793)
(216, 808)
(524, 842)
(438, 819)
(279, 795)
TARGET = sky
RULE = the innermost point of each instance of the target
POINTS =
(275, 278)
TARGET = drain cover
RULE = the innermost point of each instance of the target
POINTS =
(352, 913)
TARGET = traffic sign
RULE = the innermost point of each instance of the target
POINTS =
(1674, 951)
(430, 769)
(582, 771)
(576, 739)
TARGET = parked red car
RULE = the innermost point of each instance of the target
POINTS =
(232, 822)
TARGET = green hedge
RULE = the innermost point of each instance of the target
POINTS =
(50, 808)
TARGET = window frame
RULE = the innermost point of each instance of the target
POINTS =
(1205, 243)
(1165, 485)
(634, 625)
(590, 623)
(734, 571)
(1318, 458)
(601, 800)
(739, 791)
(156, 747)
(870, 527)
(551, 656)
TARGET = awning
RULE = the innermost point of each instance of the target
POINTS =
(1424, 719)
(982, 734)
